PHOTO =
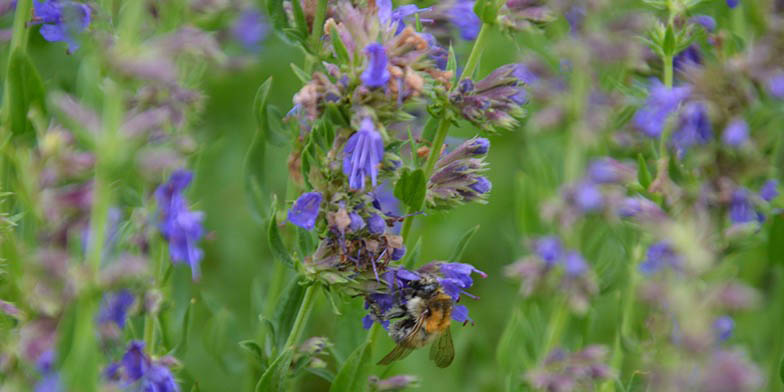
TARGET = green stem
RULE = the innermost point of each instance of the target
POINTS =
(667, 70)
(555, 326)
(476, 52)
(435, 153)
(627, 311)
(19, 34)
(318, 25)
(302, 315)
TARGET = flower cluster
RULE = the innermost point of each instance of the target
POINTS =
(551, 268)
(457, 176)
(563, 371)
(495, 102)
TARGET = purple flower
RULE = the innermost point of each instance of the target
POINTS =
(694, 128)
(49, 382)
(114, 308)
(376, 74)
(733, 3)
(178, 225)
(397, 17)
(687, 57)
(723, 327)
(741, 210)
(438, 54)
(662, 101)
(481, 186)
(135, 361)
(357, 223)
(736, 134)
(159, 379)
(250, 29)
(362, 154)
(305, 210)
(769, 190)
(574, 264)
(398, 253)
(659, 255)
(609, 171)
(776, 85)
(50, 379)
(376, 224)
(61, 20)
(549, 249)
(457, 278)
(705, 21)
(588, 197)
(138, 367)
(463, 17)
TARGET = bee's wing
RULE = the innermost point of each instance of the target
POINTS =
(442, 351)
(399, 352)
(405, 346)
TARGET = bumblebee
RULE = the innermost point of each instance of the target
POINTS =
(425, 319)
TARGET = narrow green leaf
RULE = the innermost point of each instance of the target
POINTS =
(305, 242)
(286, 311)
(300, 73)
(277, 14)
(299, 17)
(340, 48)
(276, 245)
(254, 157)
(321, 372)
(668, 46)
(411, 188)
(461, 245)
(429, 131)
(274, 378)
(643, 174)
(276, 131)
(353, 375)
(781, 369)
(776, 239)
(451, 63)
(413, 255)
(25, 91)
(509, 352)
(185, 327)
(253, 348)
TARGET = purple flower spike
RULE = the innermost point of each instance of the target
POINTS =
(770, 190)
(363, 154)
(250, 29)
(376, 74)
(736, 134)
(178, 225)
(733, 3)
(114, 308)
(741, 210)
(61, 20)
(662, 101)
(305, 210)
(463, 17)
(723, 327)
